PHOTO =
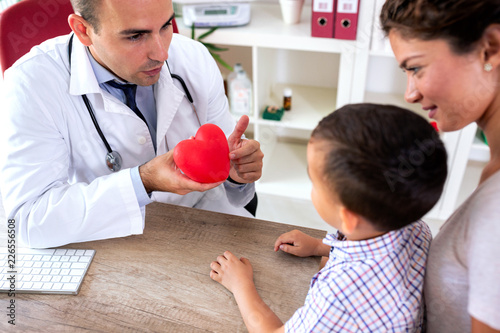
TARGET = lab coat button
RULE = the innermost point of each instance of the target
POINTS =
(141, 140)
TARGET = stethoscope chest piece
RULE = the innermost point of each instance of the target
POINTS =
(114, 161)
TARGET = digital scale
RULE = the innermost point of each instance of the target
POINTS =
(216, 14)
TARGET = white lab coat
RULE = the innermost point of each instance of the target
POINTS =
(54, 180)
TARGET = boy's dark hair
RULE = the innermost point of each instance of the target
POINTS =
(460, 22)
(385, 163)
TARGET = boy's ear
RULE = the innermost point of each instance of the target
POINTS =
(80, 27)
(350, 221)
(491, 45)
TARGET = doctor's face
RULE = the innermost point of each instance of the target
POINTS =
(133, 38)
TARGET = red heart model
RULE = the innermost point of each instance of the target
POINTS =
(205, 158)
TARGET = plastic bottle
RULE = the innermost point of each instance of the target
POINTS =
(237, 67)
(240, 94)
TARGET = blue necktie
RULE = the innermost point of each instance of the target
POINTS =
(129, 91)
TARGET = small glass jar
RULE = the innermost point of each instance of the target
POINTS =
(287, 99)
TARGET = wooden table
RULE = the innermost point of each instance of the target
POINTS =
(159, 281)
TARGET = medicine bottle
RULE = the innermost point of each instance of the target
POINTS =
(240, 94)
(231, 76)
(287, 99)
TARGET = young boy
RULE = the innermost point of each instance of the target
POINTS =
(375, 169)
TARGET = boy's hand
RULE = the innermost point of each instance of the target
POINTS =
(231, 272)
(299, 244)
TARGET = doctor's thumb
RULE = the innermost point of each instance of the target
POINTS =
(239, 130)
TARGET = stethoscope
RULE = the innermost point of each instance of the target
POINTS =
(113, 158)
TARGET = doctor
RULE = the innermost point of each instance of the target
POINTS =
(54, 179)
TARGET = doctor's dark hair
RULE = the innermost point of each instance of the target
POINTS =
(88, 10)
(383, 162)
(459, 22)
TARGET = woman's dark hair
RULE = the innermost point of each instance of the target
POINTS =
(88, 10)
(383, 162)
(460, 22)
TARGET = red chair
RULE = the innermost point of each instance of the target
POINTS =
(30, 22)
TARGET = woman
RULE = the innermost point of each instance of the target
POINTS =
(450, 50)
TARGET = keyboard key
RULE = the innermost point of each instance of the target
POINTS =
(47, 285)
(37, 285)
(60, 252)
(75, 279)
(36, 271)
(46, 278)
(78, 265)
(36, 278)
(47, 264)
(26, 270)
(69, 286)
(76, 272)
(66, 279)
(56, 278)
(80, 252)
(57, 286)
(37, 258)
(46, 258)
(55, 258)
(56, 265)
(28, 285)
(37, 264)
(64, 271)
(45, 271)
(70, 252)
(66, 265)
(28, 264)
(64, 258)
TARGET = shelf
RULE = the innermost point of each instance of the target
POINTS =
(285, 172)
(479, 152)
(267, 29)
(309, 106)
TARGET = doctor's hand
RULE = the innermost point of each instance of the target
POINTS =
(162, 174)
(245, 155)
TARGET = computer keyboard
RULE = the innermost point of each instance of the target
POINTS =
(47, 271)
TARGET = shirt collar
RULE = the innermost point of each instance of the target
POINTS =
(102, 74)
(379, 246)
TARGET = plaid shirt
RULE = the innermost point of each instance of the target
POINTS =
(372, 285)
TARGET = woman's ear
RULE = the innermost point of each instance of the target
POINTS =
(491, 45)
(350, 221)
(81, 28)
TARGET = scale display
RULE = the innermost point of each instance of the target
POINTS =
(216, 15)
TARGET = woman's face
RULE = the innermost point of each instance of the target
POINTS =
(455, 89)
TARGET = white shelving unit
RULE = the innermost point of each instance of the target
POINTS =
(324, 74)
